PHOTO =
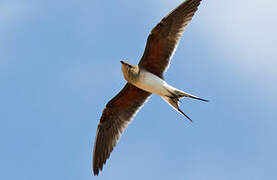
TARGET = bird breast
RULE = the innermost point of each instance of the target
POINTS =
(151, 83)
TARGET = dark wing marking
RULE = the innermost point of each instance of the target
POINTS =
(163, 39)
(115, 117)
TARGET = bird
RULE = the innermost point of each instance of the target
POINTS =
(143, 80)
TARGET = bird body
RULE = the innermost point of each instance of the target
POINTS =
(147, 81)
(154, 84)
(144, 79)
(151, 83)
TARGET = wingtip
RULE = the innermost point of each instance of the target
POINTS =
(95, 171)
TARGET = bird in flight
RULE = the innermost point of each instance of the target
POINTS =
(144, 79)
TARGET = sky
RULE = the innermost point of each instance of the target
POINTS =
(59, 66)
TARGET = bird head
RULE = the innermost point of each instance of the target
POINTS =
(130, 71)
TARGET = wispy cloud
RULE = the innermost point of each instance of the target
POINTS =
(247, 28)
(244, 33)
(12, 11)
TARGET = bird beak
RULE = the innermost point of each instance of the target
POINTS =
(122, 62)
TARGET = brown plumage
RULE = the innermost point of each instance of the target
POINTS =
(163, 39)
(160, 46)
(116, 116)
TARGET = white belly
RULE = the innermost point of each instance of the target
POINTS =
(152, 83)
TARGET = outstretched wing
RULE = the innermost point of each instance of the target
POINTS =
(163, 39)
(115, 117)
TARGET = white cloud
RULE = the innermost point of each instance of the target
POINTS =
(247, 28)
(244, 30)
(245, 33)
(12, 14)
(242, 34)
(11, 11)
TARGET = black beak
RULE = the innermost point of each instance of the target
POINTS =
(121, 62)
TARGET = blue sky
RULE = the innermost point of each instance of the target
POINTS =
(56, 58)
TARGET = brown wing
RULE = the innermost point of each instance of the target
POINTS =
(115, 117)
(164, 38)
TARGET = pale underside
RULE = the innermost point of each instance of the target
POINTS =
(153, 84)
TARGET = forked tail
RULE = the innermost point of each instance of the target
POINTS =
(180, 94)
(174, 103)
(174, 98)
